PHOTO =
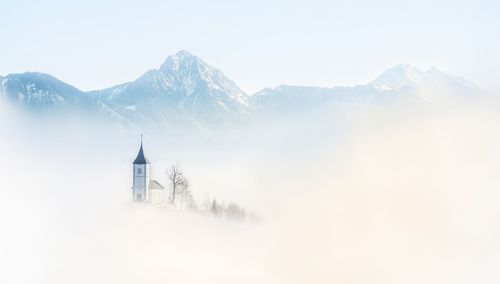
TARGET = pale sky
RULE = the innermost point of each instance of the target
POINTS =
(96, 44)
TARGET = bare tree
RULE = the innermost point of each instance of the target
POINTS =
(178, 181)
(206, 204)
(215, 209)
(234, 211)
(188, 199)
(183, 191)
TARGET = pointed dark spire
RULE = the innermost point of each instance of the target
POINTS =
(141, 159)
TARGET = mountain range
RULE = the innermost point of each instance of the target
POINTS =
(185, 90)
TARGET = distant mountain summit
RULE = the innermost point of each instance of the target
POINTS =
(432, 85)
(184, 88)
(402, 83)
(186, 91)
(40, 91)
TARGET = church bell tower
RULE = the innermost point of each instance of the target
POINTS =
(140, 189)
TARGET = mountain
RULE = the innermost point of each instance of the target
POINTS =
(433, 85)
(402, 83)
(40, 91)
(184, 89)
(290, 99)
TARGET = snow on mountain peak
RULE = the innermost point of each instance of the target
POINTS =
(432, 85)
(190, 72)
(180, 60)
(184, 83)
(41, 89)
(399, 76)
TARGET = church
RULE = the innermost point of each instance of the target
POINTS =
(146, 189)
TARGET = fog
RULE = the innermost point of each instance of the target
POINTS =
(393, 196)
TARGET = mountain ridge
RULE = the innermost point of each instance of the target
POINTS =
(187, 90)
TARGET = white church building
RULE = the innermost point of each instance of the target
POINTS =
(144, 188)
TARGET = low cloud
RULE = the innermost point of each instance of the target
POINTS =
(382, 197)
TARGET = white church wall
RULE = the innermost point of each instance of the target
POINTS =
(157, 196)
(141, 182)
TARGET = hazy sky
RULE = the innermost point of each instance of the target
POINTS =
(95, 44)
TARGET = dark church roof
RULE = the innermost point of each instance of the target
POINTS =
(141, 159)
